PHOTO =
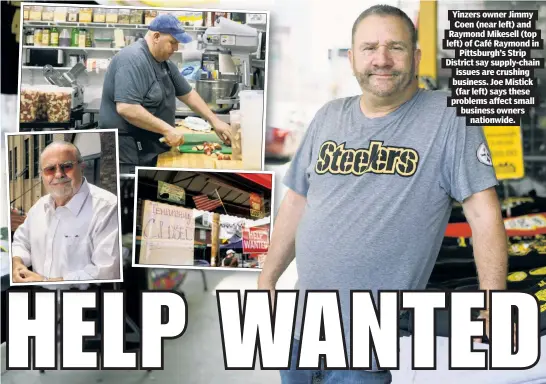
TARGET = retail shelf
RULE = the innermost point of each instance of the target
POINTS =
(41, 68)
(72, 48)
(59, 24)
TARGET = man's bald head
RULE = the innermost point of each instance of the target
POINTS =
(63, 146)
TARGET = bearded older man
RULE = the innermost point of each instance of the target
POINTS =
(71, 234)
(372, 185)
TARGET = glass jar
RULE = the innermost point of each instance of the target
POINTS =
(99, 15)
(112, 15)
(136, 16)
(36, 13)
(47, 13)
(60, 14)
(85, 15)
(124, 16)
(73, 14)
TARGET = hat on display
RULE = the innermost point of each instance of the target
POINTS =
(167, 23)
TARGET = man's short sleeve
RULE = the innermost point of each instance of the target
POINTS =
(130, 85)
(181, 85)
(468, 168)
(297, 176)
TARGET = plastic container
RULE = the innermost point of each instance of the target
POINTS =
(35, 13)
(72, 14)
(29, 104)
(111, 15)
(82, 38)
(124, 16)
(236, 134)
(149, 16)
(99, 16)
(136, 16)
(26, 12)
(85, 15)
(60, 13)
(252, 106)
(64, 38)
(47, 13)
(59, 103)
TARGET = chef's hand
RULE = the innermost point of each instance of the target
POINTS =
(223, 131)
(173, 138)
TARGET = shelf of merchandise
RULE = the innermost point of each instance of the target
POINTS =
(62, 24)
(72, 48)
(42, 68)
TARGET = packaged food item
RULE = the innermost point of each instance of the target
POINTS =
(236, 136)
(41, 110)
(58, 105)
(45, 37)
(112, 15)
(124, 16)
(136, 16)
(26, 12)
(29, 105)
(149, 16)
(99, 15)
(75, 37)
(29, 37)
(54, 39)
(36, 13)
(85, 15)
(47, 13)
(73, 14)
(60, 14)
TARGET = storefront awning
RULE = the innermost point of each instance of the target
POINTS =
(263, 180)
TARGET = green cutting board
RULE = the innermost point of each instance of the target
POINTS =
(193, 139)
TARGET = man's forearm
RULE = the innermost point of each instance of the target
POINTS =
(491, 255)
(282, 247)
(138, 116)
(198, 105)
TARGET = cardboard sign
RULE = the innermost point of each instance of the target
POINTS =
(171, 193)
(506, 151)
(255, 240)
(256, 206)
(167, 235)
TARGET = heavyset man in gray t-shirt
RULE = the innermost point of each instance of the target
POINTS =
(139, 96)
(372, 184)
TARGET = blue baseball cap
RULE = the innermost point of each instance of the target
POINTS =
(167, 23)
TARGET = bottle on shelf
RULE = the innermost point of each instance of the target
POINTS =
(88, 40)
(81, 38)
(38, 37)
(64, 39)
(45, 37)
(75, 37)
(54, 37)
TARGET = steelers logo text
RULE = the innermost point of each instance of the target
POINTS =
(336, 159)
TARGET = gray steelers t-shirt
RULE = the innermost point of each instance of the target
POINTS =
(379, 194)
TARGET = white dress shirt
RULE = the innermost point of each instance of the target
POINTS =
(78, 241)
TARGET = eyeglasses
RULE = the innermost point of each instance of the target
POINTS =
(65, 167)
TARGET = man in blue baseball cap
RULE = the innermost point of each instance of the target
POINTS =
(139, 96)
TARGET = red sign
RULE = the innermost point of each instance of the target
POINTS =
(255, 240)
